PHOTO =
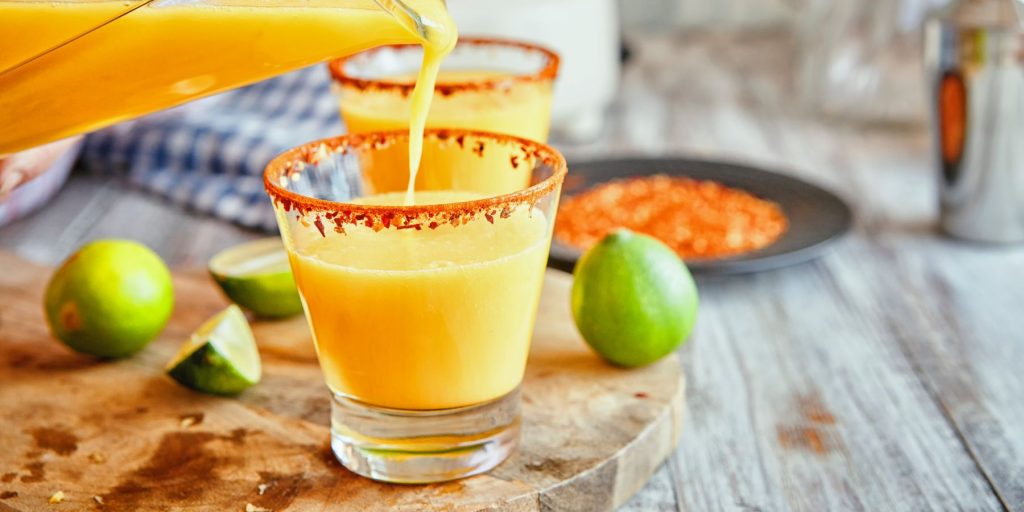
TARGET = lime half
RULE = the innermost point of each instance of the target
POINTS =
(221, 357)
(256, 276)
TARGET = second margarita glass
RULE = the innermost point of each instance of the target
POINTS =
(492, 85)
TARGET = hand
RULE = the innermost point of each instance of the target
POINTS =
(19, 168)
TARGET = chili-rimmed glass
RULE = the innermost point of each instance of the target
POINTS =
(422, 315)
(495, 85)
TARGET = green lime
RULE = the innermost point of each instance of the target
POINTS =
(633, 299)
(109, 299)
(256, 276)
(221, 356)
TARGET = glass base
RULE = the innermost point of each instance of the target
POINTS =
(416, 447)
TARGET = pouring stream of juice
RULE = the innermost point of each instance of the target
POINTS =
(92, 63)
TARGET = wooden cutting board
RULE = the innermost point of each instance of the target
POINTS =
(122, 436)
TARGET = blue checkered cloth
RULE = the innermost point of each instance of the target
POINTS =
(209, 155)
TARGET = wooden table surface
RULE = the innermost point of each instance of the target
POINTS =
(887, 375)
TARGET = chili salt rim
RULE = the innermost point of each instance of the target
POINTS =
(548, 72)
(341, 213)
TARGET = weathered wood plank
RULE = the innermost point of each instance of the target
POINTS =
(57, 229)
(657, 496)
(802, 395)
(801, 402)
(88, 208)
(953, 308)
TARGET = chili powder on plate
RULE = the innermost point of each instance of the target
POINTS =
(697, 219)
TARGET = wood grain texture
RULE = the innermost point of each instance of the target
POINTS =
(124, 432)
(880, 377)
(884, 376)
(89, 208)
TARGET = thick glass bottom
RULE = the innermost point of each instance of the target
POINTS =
(415, 447)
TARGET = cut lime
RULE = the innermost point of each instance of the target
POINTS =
(256, 276)
(221, 357)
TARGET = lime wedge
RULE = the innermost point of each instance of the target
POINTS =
(256, 276)
(221, 357)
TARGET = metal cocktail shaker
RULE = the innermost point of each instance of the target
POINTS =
(975, 60)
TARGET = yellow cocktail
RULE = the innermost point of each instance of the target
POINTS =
(396, 349)
(484, 84)
(163, 54)
(422, 314)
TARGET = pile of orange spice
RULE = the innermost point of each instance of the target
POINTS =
(697, 219)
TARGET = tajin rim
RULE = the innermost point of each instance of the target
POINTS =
(284, 164)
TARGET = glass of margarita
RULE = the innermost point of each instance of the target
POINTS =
(492, 85)
(421, 313)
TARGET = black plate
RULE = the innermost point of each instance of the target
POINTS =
(816, 217)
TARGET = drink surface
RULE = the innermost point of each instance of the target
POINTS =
(429, 319)
(162, 55)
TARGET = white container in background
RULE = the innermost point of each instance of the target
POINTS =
(585, 33)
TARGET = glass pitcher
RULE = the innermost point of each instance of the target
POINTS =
(69, 67)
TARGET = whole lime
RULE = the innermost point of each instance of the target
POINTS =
(633, 299)
(109, 299)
